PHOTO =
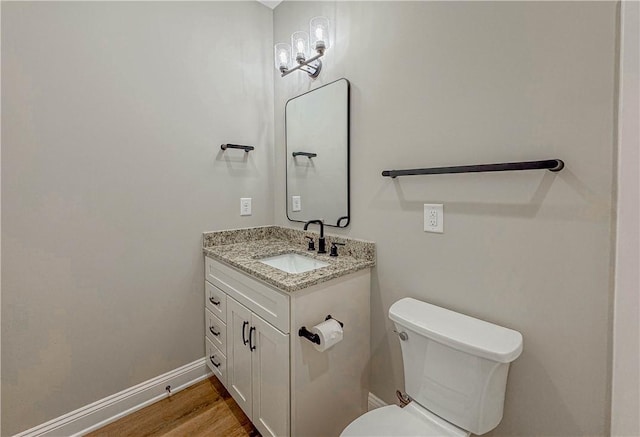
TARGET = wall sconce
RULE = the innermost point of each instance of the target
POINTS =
(299, 50)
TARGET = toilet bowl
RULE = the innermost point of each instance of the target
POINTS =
(410, 421)
(455, 369)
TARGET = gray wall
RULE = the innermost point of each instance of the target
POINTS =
(112, 117)
(625, 392)
(462, 83)
(112, 114)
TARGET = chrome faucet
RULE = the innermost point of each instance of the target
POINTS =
(321, 243)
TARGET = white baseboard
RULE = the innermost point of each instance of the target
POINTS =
(375, 402)
(107, 410)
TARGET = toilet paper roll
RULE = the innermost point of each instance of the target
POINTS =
(330, 333)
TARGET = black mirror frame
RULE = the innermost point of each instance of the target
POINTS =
(346, 219)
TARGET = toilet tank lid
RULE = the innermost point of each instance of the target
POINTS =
(458, 331)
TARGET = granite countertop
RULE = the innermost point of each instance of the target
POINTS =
(243, 248)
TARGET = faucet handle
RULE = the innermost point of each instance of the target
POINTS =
(334, 248)
(311, 243)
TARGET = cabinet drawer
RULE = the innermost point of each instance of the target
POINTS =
(217, 362)
(216, 331)
(268, 303)
(215, 300)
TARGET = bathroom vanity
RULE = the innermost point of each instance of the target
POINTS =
(253, 315)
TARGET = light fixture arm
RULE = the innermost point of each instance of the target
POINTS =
(313, 66)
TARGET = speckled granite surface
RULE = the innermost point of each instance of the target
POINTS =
(243, 248)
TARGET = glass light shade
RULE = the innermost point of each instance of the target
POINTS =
(282, 56)
(319, 29)
(300, 45)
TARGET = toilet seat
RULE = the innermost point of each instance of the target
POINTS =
(410, 421)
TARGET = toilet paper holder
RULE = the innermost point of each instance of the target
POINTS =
(315, 338)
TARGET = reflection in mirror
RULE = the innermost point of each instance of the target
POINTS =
(317, 153)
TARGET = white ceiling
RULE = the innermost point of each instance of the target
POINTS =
(270, 3)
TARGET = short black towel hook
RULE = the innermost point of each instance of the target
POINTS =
(307, 154)
(236, 146)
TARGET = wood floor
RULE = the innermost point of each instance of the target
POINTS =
(205, 409)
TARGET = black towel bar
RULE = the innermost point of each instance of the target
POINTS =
(307, 154)
(549, 164)
(236, 146)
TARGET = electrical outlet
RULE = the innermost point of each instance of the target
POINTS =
(434, 218)
(245, 206)
(296, 203)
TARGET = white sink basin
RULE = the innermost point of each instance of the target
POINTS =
(293, 263)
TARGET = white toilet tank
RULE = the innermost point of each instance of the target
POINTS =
(455, 366)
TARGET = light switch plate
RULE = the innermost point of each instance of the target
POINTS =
(296, 203)
(245, 206)
(434, 218)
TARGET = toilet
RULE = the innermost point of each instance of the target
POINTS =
(455, 370)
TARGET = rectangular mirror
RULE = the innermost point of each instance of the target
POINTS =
(317, 153)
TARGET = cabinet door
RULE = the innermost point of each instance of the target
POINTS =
(239, 355)
(270, 367)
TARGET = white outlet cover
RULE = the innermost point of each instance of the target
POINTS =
(245, 206)
(434, 218)
(296, 203)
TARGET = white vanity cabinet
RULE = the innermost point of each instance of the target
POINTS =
(258, 369)
(282, 383)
